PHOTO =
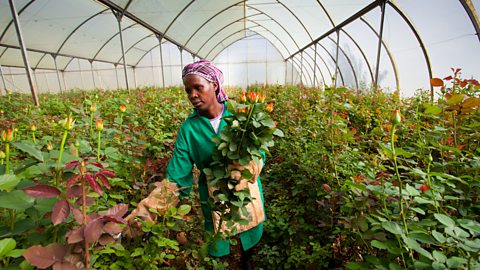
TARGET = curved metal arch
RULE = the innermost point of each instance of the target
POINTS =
(176, 17)
(259, 25)
(470, 9)
(316, 65)
(419, 40)
(256, 33)
(326, 13)
(300, 21)
(147, 52)
(390, 56)
(39, 60)
(138, 41)
(361, 52)
(110, 39)
(348, 60)
(11, 22)
(350, 19)
(333, 59)
(211, 18)
(221, 29)
(279, 24)
(78, 27)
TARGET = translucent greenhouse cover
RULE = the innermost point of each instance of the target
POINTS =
(265, 41)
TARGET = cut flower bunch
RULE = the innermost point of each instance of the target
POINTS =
(240, 148)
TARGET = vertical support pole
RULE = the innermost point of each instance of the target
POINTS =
(116, 75)
(134, 78)
(301, 68)
(56, 71)
(315, 64)
(286, 66)
(266, 63)
(93, 74)
(379, 48)
(336, 58)
(292, 70)
(35, 78)
(118, 15)
(46, 81)
(24, 51)
(3, 80)
(193, 57)
(161, 59)
(181, 57)
(80, 70)
(63, 78)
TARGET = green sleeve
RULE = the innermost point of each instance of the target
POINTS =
(179, 169)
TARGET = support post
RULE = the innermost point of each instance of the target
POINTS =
(134, 78)
(336, 58)
(315, 65)
(301, 68)
(161, 59)
(63, 78)
(24, 51)
(181, 57)
(3, 80)
(56, 71)
(379, 48)
(93, 74)
(118, 15)
(116, 75)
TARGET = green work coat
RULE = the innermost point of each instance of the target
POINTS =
(194, 146)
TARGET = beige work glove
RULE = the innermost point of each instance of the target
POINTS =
(161, 198)
(236, 173)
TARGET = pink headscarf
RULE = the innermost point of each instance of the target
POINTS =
(207, 70)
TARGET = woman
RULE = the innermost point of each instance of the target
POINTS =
(203, 85)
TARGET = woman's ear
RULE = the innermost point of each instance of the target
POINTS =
(215, 86)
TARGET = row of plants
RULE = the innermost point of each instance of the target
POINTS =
(362, 179)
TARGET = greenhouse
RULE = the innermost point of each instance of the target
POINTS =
(259, 134)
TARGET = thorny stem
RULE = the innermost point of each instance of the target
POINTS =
(245, 128)
(62, 146)
(33, 137)
(430, 185)
(399, 180)
(91, 124)
(84, 212)
(98, 145)
(7, 157)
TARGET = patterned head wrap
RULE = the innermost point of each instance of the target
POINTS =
(209, 72)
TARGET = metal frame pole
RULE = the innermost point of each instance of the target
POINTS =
(301, 68)
(181, 57)
(93, 74)
(336, 58)
(24, 51)
(292, 70)
(3, 80)
(379, 48)
(134, 77)
(315, 65)
(116, 75)
(56, 71)
(118, 15)
(161, 59)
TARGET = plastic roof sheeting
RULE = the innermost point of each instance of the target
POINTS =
(420, 39)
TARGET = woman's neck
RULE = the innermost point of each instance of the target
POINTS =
(212, 112)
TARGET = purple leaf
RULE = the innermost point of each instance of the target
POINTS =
(112, 228)
(108, 173)
(73, 179)
(77, 214)
(60, 212)
(97, 164)
(104, 179)
(74, 192)
(64, 266)
(42, 191)
(93, 183)
(75, 235)
(118, 210)
(114, 219)
(72, 164)
(93, 230)
(44, 257)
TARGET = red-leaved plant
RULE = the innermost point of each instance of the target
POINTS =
(94, 227)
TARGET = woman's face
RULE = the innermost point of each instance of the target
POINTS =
(200, 92)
